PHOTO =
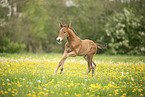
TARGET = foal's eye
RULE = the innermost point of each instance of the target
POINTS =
(64, 32)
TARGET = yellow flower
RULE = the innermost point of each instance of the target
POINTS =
(124, 94)
(28, 94)
(9, 89)
(66, 92)
(141, 94)
(2, 92)
(134, 90)
(9, 84)
(6, 92)
(91, 96)
(87, 93)
(3, 83)
(33, 95)
(140, 90)
(13, 91)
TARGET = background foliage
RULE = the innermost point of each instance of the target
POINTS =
(32, 25)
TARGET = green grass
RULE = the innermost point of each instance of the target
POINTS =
(31, 75)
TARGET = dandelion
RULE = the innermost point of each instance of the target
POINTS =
(29, 94)
(124, 94)
(2, 91)
(13, 91)
(141, 94)
(140, 90)
(33, 95)
(8, 84)
(134, 90)
(3, 83)
(66, 92)
(6, 92)
(91, 96)
(46, 93)
(87, 93)
(9, 89)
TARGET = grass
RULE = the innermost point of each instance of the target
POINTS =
(31, 75)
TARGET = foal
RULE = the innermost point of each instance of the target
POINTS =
(76, 47)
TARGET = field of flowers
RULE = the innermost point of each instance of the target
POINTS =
(31, 75)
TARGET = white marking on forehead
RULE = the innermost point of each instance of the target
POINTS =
(61, 29)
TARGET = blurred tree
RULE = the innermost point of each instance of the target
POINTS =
(33, 24)
(126, 33)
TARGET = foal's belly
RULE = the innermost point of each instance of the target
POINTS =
(82, 52)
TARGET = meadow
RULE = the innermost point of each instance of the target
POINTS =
(31, 75)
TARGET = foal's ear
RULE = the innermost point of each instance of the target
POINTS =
(60, 25)
(68, 25)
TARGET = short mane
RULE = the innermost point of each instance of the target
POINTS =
(73, 30)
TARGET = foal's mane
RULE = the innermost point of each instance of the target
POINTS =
(72, 30)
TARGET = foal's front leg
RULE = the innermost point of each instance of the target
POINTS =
(61, 63)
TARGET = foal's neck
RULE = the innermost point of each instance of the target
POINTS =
(72, 36)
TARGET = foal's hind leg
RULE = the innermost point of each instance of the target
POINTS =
(93, 66)
(87, 58)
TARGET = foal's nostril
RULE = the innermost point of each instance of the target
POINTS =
(58, 39)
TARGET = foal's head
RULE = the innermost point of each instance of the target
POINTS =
(63, 33)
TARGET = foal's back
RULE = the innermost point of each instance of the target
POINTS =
(86, 47)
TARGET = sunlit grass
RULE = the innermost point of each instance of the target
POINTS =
(32, 75)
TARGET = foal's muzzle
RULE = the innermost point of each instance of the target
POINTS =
(59, 40)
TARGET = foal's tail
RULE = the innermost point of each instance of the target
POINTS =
(101, 46)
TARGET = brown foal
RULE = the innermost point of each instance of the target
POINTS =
(76, 47)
